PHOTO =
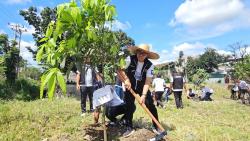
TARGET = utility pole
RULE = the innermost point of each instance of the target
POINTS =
(18, 30)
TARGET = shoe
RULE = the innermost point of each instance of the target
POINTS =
(91, 110)
(128, 132)
(156, 131)
(122, 122)
(111, 124)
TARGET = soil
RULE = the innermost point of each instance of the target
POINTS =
(94, 132)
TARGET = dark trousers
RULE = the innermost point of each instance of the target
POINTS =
(206, 97)
(130, 105)
(86, 91)
(113, 111)
(178, 99)
(233, 94)
(158, 97)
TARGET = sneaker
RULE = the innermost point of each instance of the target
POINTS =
(128, 132)
(156, 130)
(91, 110)
(122, 122)
(111, 124)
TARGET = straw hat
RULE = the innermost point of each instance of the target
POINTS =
(145, 48)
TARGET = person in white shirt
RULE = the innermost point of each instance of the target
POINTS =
(138, 76)
(159, 85)
(85, 80)
(243, 89)
(206, 92)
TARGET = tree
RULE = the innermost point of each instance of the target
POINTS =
(39, 21)
(242, 69)
(210, 60)
(2, 68)
(78, 32)
(199, 77)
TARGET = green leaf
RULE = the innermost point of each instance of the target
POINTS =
(42, 85)
(51, 85)
(50, 29)
(43, 40)
(39, 54)
(61, 81)
(122, 63)
(45, 78)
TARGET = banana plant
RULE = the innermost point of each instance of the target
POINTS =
(78, 32)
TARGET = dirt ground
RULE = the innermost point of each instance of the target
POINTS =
(94, 132)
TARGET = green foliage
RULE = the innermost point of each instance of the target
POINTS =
(200, 77)
(242, 69)
(79, 33)
(50, 78)
(208, 61)
(2, 68)
(22, 89)
(4, 45)
(31, 72)
(11, 62)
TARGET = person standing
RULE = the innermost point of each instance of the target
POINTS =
(159, 85)
(138, 77)
(177, 83)
(85, 80)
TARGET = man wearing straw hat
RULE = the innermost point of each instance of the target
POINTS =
(138, 76)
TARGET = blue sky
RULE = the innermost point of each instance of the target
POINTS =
(169, 26)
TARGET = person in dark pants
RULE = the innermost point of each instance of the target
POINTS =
(85, 80)
(206, 93)
(138, 76)
(177, 82)
(159, 85)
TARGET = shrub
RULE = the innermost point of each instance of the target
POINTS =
(23, 89)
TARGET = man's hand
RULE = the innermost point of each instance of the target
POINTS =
(78, 87)
(127, 84)
(143, 97)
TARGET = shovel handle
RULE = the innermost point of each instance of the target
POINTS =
(137, 97)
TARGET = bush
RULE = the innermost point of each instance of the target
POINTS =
(219, 81)
(23, 89)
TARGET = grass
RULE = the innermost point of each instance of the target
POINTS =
(221, 119)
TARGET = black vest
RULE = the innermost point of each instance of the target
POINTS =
(82, 75)
(177, 81)
(137, 85)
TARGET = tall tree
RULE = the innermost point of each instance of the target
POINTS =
(39, 21)
(210, 60)
(9, 60)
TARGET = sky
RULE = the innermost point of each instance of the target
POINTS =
(169, 26)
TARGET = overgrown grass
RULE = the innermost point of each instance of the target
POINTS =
(220, 120)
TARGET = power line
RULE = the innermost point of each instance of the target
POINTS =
(18, 30)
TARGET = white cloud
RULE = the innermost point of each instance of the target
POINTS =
(210, 17)
(117, 25)
(223, 52)
(190, 49)
(29, 31)
(17, 1)
(26, 55)
(2, 31)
